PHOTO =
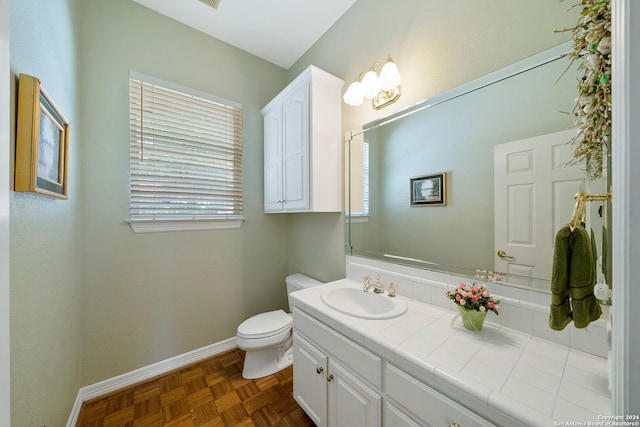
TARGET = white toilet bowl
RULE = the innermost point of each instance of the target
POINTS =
(267, 338)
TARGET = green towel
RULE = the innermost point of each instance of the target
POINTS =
(573, 277)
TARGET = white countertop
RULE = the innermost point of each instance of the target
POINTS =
(495, 371)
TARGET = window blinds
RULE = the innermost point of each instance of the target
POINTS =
(185, 155)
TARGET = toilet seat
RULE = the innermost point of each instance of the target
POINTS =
(265, 325)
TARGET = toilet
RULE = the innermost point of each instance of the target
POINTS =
(267, 338)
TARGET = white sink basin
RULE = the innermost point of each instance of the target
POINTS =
(366, 305)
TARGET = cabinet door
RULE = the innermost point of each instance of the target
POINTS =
(295, 137)
(273, 197)
(310, 380)
(351, 402)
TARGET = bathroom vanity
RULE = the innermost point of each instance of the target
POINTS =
(422, 368)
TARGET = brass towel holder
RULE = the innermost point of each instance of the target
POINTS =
(579, 209)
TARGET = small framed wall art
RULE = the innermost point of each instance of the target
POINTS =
(429, 190)
(42, 142)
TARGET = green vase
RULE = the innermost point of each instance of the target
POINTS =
(472, 319)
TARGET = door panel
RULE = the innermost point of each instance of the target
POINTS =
(309, 380)
(296, 149)
(351, 402)
(534, 187)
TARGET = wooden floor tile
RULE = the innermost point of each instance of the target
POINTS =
(210, 393)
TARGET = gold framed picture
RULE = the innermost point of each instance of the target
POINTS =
(429, 190)
(42, 142)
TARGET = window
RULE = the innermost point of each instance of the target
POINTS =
(365, 182)
(185, 158)
(358, 191)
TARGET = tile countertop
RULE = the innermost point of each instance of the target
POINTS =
(495, 372)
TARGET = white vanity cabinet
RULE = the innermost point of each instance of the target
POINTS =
(424, 403)
(339, 383)
(333, 386)
(329, 393)
(303, 145)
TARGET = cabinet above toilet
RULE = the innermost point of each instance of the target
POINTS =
(303, 145)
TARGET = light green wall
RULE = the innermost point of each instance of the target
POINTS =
(90, 299)
(437, 45)
(85, 305)
(45, 253)
(148, 297)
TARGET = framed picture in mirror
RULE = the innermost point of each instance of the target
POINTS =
(429, 190)
(42, 142)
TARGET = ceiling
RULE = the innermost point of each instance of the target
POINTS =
(279, 31)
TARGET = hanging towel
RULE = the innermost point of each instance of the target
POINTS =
(573, 277)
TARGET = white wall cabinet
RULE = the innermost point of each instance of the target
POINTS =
(303, 145)
(329, 393)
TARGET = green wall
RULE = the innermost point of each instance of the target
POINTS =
(437, 46)
(45, 257)
(90, 299)
(147, 297)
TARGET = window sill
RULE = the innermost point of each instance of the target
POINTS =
(161, 225)
(357, 218)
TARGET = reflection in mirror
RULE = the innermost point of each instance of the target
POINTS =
(502, 142)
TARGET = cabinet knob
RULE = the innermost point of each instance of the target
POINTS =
(319, 369)
(329, 378)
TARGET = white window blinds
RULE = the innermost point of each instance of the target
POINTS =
(185, 154)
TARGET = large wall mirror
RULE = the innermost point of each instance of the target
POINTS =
(501, 141)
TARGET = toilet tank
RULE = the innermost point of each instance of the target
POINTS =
(296, 282)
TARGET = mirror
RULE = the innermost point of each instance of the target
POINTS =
(459, 134)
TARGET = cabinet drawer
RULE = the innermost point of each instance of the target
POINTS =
(431, 407)
(358, 360)
(393, 416)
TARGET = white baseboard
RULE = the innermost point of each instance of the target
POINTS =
(121, 381)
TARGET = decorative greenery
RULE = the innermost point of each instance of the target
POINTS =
(592, 45)
(473, 297)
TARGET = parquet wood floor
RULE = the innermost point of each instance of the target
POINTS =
(208, 393)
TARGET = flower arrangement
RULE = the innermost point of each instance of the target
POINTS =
(592, 45)
(474, 297)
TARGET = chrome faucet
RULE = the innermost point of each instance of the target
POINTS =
(378, 288)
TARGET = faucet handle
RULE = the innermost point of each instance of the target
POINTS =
(366, 281)
(391, 292)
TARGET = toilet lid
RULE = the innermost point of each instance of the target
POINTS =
(265, 324)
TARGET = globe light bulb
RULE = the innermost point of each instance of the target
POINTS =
(370, 84)
(389, 76)
(353, 96)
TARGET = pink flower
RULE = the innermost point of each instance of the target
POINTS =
(490, 304)
(474, 298)
(458, 297)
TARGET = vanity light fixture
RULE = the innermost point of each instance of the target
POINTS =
(382, 89)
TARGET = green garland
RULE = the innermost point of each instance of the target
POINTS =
(592, 45)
